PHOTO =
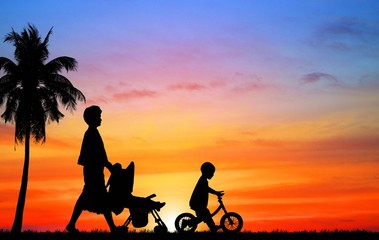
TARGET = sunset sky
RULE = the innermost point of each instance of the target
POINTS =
(281, 96)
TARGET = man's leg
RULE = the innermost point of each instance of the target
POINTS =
(109, 219)
(74, 217)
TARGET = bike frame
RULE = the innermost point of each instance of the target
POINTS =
(230, 221)
(221, 206)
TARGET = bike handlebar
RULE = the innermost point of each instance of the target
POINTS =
(220, 196)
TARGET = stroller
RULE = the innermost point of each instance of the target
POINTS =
(120, 185)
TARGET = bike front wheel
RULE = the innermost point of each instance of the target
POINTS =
(231, 222)
(185, 222)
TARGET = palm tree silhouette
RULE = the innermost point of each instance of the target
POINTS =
(32, 91)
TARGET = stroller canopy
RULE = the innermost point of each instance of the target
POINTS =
(120, 185)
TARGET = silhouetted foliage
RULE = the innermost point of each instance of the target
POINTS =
(32, 90)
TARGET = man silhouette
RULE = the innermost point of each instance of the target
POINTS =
(93, 158)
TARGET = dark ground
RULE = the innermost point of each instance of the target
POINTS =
(276, 235)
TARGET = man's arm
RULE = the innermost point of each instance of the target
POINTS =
(109, 165)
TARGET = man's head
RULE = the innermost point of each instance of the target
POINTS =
(92, 116)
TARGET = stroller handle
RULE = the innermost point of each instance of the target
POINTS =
(151, 196)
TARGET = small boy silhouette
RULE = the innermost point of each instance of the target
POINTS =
(199, 198)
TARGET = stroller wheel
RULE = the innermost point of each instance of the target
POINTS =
(160, 229)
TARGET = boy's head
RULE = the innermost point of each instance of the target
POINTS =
(92, 116)
(208, 170)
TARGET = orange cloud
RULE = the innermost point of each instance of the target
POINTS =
(187, 86)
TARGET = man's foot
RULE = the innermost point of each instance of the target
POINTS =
(71, 229)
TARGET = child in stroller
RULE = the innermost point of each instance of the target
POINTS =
(120, 185)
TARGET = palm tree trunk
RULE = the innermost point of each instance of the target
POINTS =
(17, 224)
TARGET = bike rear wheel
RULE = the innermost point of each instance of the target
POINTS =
(231, 222)
(186, 222)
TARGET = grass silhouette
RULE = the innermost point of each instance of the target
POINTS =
(147, 235)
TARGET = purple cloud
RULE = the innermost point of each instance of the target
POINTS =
(346, 34)
(252, 86)
(318, 76)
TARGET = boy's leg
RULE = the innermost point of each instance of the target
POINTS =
(206, 216)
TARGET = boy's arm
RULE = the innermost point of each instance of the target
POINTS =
(218, 193)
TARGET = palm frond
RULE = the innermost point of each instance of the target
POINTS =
(65, 91)
(12, 105)
(45, 43)
(7, 85)
(7, 65)
(57, 64)
(15, 39)
(50, 105)
(12, 37)
(38, 120)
